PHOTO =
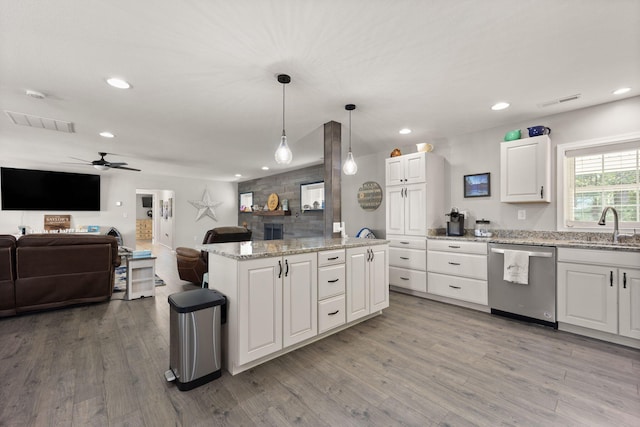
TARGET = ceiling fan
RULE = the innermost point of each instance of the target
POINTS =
(102, 164)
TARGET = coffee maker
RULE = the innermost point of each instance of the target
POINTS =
(455, 225)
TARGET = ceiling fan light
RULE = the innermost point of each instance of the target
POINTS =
(283, 153)
(101, 167)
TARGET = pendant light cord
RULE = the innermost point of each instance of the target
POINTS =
(349, 130)
(283, 98)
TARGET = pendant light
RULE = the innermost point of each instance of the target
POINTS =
(283, 153)
(350, 167)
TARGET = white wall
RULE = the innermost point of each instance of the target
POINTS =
(121, 186)
(479, 152)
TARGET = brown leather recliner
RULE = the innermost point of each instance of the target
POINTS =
(192, 264)
(7, 275)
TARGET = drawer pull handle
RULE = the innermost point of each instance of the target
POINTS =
(333, 281)
(404, 257)
(404, 243)
(334, 313)
(404, 278)
(454, 247)
(332, 258)
(454, 263)
(455, 287)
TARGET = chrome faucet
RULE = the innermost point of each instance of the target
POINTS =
(616, 232)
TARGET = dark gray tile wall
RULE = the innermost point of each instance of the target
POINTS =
(286, 186)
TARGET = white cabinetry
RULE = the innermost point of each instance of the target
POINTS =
(408, 263)
(367, 280)
(407, 169)
(331, 290)
(525, 174)
(278, 300)
(458, 270)
(141, 273)
(600, 290)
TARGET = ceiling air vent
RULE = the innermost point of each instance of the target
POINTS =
(560, 100)
(39, 122)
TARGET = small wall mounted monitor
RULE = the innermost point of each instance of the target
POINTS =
(147, 201)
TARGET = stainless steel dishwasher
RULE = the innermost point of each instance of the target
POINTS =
(534, 301)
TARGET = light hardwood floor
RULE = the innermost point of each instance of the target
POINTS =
(420, 363)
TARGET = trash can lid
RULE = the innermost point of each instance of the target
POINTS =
(197, 299)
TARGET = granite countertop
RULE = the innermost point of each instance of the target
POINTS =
(270, 248)
(549, 238)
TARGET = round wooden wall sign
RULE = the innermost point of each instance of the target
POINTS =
(370, 196)
(272, 202)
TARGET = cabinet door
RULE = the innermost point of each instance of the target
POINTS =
(395, 210)
(300, 298)
(260, 309)
(394, 171)
(629, 298)
(357, 283)
(524, 170)
(379, 278)
(588, 296)
(414, 168)
(415, 201)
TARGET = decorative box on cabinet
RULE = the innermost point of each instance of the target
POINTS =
(600, 291)
(458, 270)
(525, 174)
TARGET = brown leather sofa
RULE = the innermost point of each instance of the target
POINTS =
(192, 264)
(7, 275)
(52, 271)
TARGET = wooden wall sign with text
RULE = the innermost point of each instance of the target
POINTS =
(57, 222)
(370, 196)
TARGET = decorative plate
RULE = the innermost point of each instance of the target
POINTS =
(272, 201)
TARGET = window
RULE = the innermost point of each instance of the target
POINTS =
(596, 174)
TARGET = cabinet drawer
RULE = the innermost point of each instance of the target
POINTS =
(461, 288)
(331, 257)
(407, 242)
(473, 266)
(415, 259)
(331, 281)
(331, 313)
(457, 246)
(408, 279)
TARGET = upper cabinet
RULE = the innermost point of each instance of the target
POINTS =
(407, 169)
(525, 174)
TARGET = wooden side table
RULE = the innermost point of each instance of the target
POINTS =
(141, 274)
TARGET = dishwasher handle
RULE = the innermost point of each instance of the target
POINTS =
(531, 254)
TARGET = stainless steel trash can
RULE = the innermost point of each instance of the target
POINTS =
(195, 322)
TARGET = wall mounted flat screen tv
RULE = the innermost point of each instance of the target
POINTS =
(36, 190)
(147, 201)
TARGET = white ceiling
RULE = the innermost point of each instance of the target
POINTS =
(205, 100)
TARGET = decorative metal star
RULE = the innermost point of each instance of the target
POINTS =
(206, 206)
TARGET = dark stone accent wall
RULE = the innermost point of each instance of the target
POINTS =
(286, 186)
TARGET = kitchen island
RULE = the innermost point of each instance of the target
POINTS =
(285, 294)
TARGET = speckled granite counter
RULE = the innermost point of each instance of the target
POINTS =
(271, 248)
(547, 238)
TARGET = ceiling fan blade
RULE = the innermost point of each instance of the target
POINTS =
(82, 160)
(75, 163)
(116, 164)
(124, 168)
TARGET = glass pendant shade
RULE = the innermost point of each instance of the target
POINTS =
(283, 153)
(350, 167)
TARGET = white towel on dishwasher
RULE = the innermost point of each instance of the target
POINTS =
(516, 267)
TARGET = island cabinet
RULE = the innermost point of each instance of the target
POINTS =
(367, 281)
(278, 300)
(600, 291)
(282, 295)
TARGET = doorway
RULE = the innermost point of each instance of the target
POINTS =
(155, 217)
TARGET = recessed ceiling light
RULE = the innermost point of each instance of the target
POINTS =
(500, 106)
(265, 168)
(404, 131)
(621, 90)
(118, 83)
(238, 175)
(107, 135)
(35, 94)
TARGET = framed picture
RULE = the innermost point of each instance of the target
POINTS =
(477, 185)
(246, 202)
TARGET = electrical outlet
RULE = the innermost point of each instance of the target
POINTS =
(336, 227)
(522, 214)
